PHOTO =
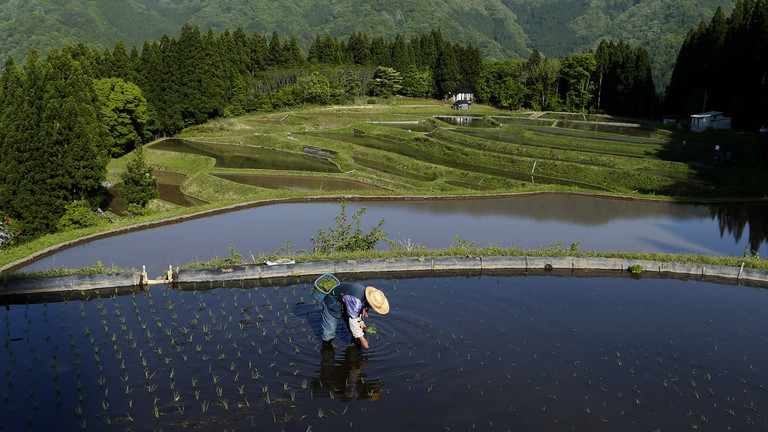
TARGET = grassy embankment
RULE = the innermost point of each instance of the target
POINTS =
(648, 162)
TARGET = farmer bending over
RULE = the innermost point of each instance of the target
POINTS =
(352, 300)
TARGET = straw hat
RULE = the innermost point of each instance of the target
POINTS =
(377, 300)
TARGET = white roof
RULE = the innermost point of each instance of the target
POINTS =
(708, 114)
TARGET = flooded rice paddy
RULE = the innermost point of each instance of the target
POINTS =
(297, 182)
(529, 222)
(497, 352)
(168, 188)
(252, 157)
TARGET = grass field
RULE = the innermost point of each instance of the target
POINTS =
(641, 159)
(512, 152)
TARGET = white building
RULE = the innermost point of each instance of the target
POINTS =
(711, 119)
(462, 94)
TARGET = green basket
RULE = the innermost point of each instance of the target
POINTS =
(326, 283)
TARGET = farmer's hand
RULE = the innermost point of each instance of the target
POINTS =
(363, 342)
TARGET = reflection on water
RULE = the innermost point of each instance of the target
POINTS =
(528, 222)
(735, 218)
(465, 121)
(410, 126)
(497, 352)
(168, 188)
(344, 376)
(238, 156)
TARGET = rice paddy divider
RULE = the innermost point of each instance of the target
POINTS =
(306, 271)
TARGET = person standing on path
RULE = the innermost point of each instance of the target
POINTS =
(352, 301)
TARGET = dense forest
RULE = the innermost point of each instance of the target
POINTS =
(723, 66)
(502, 29)
(614, 79)
(63, 117)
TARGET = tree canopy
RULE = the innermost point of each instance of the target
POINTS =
(722, 66)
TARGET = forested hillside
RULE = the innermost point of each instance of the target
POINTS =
(503, 29)
(63, 117)
(723, 65)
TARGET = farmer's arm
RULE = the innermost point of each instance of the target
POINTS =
(356, 324)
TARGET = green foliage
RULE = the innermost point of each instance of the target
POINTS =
(386, 82)
(234, 257)
(500, 85)
(315, 88)
(135, 210)
(460, 243)
(722, 66)
(124, 111)
(139, 183)
(78, 214)
(349, 236)
(54, 144)
(418, 82)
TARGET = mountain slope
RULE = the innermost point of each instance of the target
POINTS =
(501, 28)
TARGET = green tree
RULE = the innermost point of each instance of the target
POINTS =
(359, 49)
(121, 63)
(402, 56)
(124, 110)
(57, 142)
(500, 86)
(380, 52)
(578, 71)
(447, 73)
(470, 65)
(292, 55)
(73, 131)
(386, 82)
(276, 55)
(315, 88)
(11, 87)
(418, 82)
(542, 77)
(259, 53)
(139, 183)
(22, 151)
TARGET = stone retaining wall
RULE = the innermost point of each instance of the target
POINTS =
(475, 265)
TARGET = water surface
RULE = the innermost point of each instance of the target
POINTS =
(243, 156)
(296, 182)
(455, 353)
(529, 222)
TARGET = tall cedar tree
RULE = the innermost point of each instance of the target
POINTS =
(21, 150)
(722, 66)
(55, 142)
(11, 83)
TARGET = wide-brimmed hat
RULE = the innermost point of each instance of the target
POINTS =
(377, 300)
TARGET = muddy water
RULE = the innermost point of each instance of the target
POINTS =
(529, 222)
(454, 353)
(168, 188)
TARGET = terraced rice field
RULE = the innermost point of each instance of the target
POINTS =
(501, 352)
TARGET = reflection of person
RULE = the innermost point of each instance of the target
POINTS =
(345, 376)
(352, 301)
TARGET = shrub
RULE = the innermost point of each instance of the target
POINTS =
(78, 215)
(346, 238)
